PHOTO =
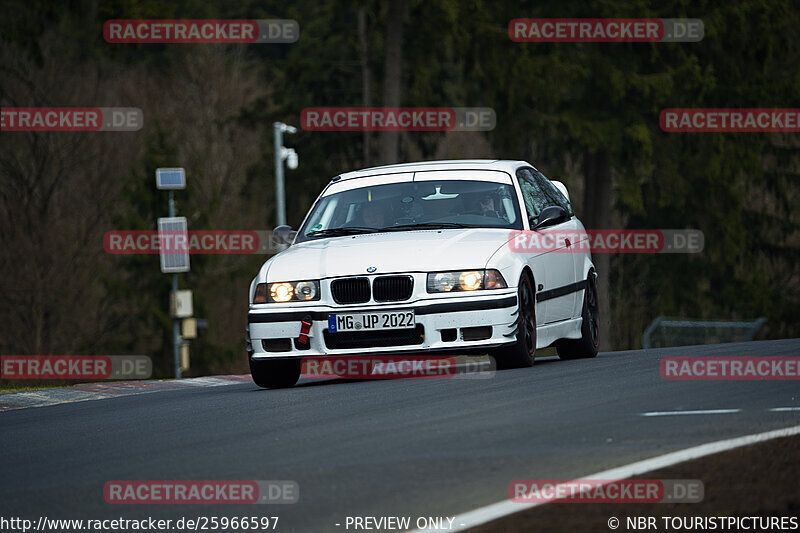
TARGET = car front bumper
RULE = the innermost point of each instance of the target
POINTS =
(447, 323)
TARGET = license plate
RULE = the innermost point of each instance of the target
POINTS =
(371, 321)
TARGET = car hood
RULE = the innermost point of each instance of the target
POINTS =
(427, 250)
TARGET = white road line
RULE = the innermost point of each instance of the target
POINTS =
(784, 409)
(699, 412)
(503, 508)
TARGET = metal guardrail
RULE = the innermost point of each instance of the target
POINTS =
(702, 331)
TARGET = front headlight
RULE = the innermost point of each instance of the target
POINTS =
(307, 290)
(465, 280)
(286, 291)
(281, 292)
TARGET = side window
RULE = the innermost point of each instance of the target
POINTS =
(535, 198)
(555, 196)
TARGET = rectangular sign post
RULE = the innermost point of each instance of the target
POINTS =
(170, 179)
(173, 259)
(173, 238)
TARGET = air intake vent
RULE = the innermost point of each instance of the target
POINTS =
(350, 290)
(392, 288)
(373, 339)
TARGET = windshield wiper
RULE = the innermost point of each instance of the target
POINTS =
(428, 225)
(337, 232)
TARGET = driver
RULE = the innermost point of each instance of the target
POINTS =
(487, 207)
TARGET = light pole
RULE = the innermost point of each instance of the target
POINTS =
(282, 154)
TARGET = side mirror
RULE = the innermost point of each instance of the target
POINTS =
(562, 188)
(283, 235)
(551, 215)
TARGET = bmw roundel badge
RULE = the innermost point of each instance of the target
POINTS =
(371, 269)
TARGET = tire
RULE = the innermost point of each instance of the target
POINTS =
(277, 374)
(522, 352)
(585, 347)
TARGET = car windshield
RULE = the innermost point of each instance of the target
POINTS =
(433, 204)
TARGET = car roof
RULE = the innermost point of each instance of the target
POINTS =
(503, 165)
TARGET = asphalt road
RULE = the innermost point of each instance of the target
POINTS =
(379, 447)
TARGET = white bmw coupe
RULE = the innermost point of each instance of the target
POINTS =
(422, 258)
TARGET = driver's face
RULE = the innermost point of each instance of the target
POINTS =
(487, 204)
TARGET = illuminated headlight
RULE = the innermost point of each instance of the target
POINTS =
(466, 280)
(281, 292)
(470, 280)
(286, 291)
